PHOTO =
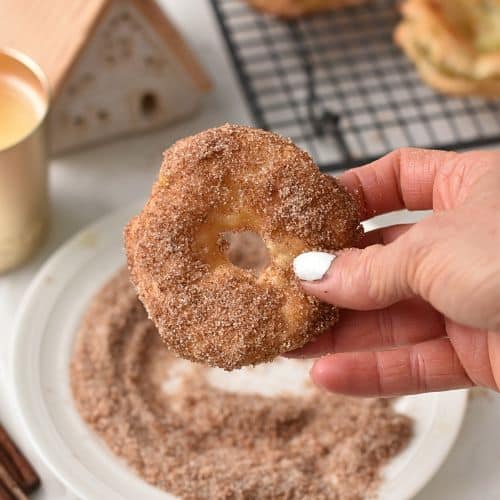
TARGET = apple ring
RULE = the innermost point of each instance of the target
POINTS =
(235, 179)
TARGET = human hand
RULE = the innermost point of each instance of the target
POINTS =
(423, 299)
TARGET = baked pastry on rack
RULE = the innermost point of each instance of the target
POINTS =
(455, 44)
(297, 8)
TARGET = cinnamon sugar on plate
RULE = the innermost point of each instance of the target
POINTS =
(196, 433)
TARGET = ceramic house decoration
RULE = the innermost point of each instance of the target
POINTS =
(116, 66)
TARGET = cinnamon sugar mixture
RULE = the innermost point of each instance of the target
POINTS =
(198, 433)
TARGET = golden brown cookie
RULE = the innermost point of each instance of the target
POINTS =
(233, 179)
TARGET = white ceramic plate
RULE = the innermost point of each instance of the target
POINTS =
(45, 330)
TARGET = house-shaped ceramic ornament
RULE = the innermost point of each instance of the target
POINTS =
(116, 66)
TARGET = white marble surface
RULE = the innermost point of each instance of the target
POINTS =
(89, 184)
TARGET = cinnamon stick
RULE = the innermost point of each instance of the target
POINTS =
(5, 493)
(16, 465)
(9, 489)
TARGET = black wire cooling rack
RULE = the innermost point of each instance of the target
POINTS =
(339, 87)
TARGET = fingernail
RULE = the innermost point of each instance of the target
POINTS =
(312, 266)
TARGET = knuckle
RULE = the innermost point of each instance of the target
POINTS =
(379, 288)
(421, 263)
(416, 270)
(418, 370)
(379, 373)
(386, 327)
(387, 272)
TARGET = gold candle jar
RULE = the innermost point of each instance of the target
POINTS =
(24, 200)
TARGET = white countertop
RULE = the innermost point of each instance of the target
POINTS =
(89, 184)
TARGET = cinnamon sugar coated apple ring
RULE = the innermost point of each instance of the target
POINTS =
(234, 179)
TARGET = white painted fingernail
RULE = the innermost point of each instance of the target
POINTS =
(312, 266)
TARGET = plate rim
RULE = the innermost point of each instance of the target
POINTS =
(16, 362)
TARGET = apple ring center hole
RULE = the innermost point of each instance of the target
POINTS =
(246, 250)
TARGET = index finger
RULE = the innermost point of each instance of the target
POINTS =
(401, 179)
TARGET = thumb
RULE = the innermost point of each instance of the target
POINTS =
(371, 278)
